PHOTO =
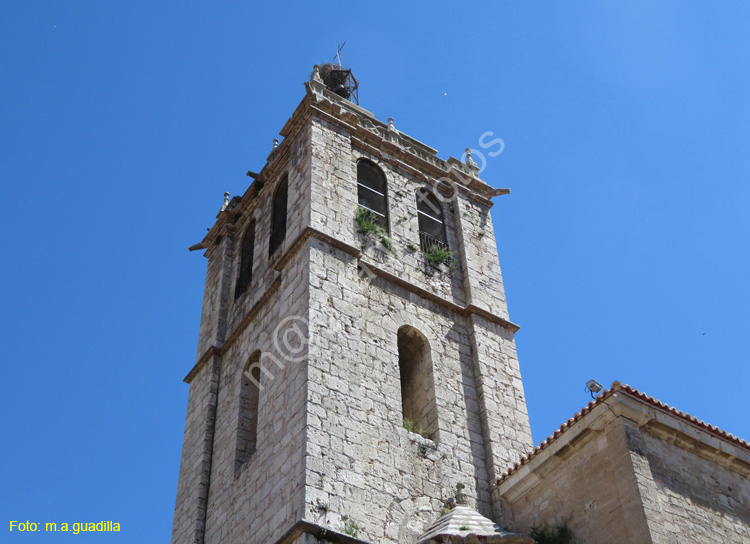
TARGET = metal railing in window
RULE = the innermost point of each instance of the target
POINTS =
(427, 242)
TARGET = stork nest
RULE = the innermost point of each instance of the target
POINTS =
(332, 74)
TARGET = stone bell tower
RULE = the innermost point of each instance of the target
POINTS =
(356, 361)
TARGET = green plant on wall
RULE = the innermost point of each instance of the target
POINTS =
(416, 427)
(439, 255)
(367, 225)
(351, 528)
(558, 534)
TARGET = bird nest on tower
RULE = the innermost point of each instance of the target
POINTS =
(340, 81)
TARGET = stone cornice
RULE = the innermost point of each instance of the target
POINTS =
(202, 360)
(432, 297)
(369, 133)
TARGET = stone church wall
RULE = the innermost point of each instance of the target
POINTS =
(637, 475)
(688, 498)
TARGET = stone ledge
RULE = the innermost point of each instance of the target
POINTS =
(323, 534)
(432, 297)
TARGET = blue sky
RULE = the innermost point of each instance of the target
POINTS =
(624, 244)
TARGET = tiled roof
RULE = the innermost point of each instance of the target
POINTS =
(633, 392)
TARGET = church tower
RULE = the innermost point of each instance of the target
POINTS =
(356, 362)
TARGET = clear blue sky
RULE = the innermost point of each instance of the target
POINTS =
(624, 244)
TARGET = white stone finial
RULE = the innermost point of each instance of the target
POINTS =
(275, 143)
(469, 159)
(226, 201)
(392, 135)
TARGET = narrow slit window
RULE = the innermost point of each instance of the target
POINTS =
(245, 277)
(247, 417)
(372, 191)
(431, 220)
(278, 217)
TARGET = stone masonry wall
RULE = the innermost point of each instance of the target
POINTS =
(296, 164)
(636, 475)
(195, 462)
(363, 465)
(219, 279)
(260, 502)
(264, 498)
(692, 499)
(591, 484)
(483, 283)
(334, 201)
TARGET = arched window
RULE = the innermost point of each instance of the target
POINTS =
(372, 191)
(247, 419)
(245, 277)
(431, 220)
(278, 217)
(417, 382)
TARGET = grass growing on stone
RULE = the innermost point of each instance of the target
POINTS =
(351, 528)
(437, 255)
(367, 225)
(409, 424)
(416, 427)
(559, 534)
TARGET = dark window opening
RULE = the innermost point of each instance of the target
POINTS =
(278, 217)
(372, 191)
(247, 418)
(431, 220)
(245, 277)
(418, 402)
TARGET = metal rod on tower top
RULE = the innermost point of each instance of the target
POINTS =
(338, 52)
